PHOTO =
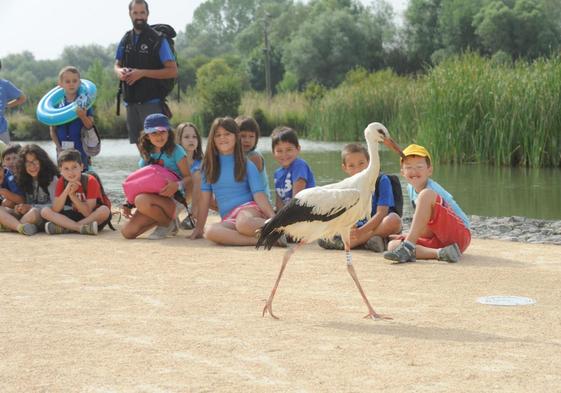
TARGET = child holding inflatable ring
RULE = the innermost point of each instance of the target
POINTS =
(157, 146)
(69, 135)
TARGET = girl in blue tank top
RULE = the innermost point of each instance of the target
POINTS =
(237, 187)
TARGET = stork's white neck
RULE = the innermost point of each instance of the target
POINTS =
(373, 169)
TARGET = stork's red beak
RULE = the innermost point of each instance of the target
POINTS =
(389, 142)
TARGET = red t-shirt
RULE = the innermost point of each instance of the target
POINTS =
(93, 192)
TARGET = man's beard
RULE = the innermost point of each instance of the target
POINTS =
(140, 24)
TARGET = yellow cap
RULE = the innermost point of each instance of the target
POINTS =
(416, 150)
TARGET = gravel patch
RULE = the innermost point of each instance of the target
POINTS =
(515, 228)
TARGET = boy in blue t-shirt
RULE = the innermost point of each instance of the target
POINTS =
(10, 194)
(294, 175)
(10, 156)
(370, 233)
(69, 135)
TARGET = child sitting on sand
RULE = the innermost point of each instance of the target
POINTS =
(78, 203)
(36, 177)
(294, 174)
(10, 194)
(10, 156)
(237, 186)
(384, 220)
(249, 136)
(189, 137)
(440, 229)
(157, 146)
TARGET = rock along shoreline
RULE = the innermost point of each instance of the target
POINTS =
(515, 228)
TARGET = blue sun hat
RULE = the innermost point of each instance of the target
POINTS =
(156, 122)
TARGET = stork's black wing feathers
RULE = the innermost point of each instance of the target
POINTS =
(291, 213)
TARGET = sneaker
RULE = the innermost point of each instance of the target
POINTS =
(335, 243)
(450, 253)
(4, 229)
(375, 243)
(187, 223)
(402, 253)
(53, 229)
(27, 229)
(89, 229)
(162, 232)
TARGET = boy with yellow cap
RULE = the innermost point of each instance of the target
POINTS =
(440, 229)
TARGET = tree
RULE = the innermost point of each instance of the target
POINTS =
(521, 28)
(329, 44)
(82, 57)
(215, 25)
(256, 68)
(456, 25)
(422, 35)
(219, 90)
(105, 80)
(23, 70)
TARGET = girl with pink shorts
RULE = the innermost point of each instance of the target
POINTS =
(237, 186)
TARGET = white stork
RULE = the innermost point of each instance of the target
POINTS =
(323, 212)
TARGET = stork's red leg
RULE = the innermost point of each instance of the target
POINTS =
(371, 313)
(269, 305)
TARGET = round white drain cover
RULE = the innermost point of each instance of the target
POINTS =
(506, 300)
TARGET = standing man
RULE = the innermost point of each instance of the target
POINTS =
(145, 64)
(10, 96)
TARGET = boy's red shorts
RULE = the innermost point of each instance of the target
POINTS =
(447, 228)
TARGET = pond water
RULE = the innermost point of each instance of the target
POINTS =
(479, 189)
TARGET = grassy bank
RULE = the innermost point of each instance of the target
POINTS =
(467, 109)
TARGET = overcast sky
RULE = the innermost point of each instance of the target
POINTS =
(45, 27)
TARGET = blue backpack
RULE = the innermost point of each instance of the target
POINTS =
(396, 190)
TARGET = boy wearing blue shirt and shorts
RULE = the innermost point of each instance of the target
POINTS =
(10, 194)
(370, 233)
(295, 174)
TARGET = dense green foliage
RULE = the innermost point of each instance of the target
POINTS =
(475, 110)
(335, 65)
(467, 109)
(219, 91)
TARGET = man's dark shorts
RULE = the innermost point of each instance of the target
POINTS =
(136, 113)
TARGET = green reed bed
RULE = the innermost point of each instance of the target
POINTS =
(287, 109)
(474, 110)
(467, 109)
(343, 112)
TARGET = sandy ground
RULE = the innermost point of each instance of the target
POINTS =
(101, 314)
